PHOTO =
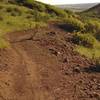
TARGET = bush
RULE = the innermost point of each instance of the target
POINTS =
(1, 7)
(25, 1)
(9, 9)
(57, 11)
(14, 11)
(74, 24)
(42, 17)
(86, 40)
(9, 23)
(17, 10)
(29, 16)
(39, 6)
(28, 1)
(69, 12)
(1, 18)
(92, 26)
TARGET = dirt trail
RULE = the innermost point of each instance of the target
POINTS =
(28, 75)
(23, 75)
(42, 65)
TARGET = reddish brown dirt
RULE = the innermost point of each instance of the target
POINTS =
(41, 64)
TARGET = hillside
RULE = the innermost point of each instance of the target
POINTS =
(47, 53)
(94, 11)
(14, 13)
(43, 66)
(77, 7)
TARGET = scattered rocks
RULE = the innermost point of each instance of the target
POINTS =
(54, 52)
(65, 60)
(51, 33)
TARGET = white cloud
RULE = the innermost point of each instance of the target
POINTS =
(68, 1)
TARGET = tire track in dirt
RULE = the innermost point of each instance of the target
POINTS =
(26, 79)
(25, 74)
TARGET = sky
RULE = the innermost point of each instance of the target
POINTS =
(53, 2)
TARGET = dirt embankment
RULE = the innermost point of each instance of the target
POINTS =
(42, 65)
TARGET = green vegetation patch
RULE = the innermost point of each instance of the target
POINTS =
(14, 17)
(3, 42)
(89, 52)
(74, 24)
(86, 40)
(93, 26)
(87, 45)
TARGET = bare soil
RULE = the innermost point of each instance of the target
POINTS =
(41, 64)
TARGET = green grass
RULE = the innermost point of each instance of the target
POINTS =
(14, 18)
(89, 52)
(3, 42)
(85, 39)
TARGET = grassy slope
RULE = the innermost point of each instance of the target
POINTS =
(93, 12)
(91, 17)
(89, 52)
(15, 17)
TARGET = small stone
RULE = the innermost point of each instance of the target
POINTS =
(66, 73)
(65, 60)
(53, 51)
(51, 33)
(77, 69)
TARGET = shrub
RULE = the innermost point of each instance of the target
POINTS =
(25, 1)
(28, 1)
(69, 12)
(92, 26)
(40, 16)
(13, 13)
(1, 7)
(74, 24)
(1, 18)
(29, 16)
(17, 10)
(57, 11)
(30, 12)
(39, 6)
(9, 9)
(86, 40)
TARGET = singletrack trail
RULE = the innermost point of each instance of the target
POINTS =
(41, 64)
